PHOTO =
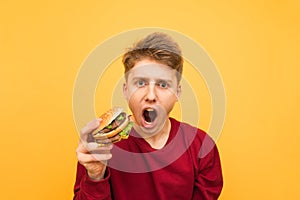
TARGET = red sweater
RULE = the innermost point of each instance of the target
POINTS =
(188, 167)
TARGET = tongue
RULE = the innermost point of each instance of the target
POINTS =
(149, 115)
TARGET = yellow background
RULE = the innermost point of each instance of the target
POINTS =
(255, 46)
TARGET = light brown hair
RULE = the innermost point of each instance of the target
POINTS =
(157, 46)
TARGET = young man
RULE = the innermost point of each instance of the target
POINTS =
(162, 158)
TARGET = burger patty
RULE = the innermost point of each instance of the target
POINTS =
(114, 124)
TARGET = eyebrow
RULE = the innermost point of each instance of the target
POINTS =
(156, 80)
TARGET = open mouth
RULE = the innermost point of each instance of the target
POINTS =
(149, 115)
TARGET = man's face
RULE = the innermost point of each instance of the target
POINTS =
(151, 91)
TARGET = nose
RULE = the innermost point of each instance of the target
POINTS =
(150, 95)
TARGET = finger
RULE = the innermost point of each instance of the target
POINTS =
(87, 158)
(95, 148)
(81, 148)
(92, 146)
(92, 164)
(102, 157)
(104, 141)
(90, 126)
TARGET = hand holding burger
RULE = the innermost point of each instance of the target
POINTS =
(113, 126)
(90, 155)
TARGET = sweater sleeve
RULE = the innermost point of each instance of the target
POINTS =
(209, 180)
(88, 189)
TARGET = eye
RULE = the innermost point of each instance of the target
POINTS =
(163, 84)
(141, 83)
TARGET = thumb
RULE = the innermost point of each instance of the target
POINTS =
(90, 126)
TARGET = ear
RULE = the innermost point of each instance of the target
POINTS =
(178, 91)
(125, 92)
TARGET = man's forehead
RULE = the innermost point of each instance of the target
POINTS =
(152, 70)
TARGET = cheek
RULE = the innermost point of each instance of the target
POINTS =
(169, 100)
(130, 93)
(134, 100)
(136, 94)
(169, 94)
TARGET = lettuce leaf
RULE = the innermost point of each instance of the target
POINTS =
(125, 132)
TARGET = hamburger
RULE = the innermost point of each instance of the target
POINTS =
(114, 127)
